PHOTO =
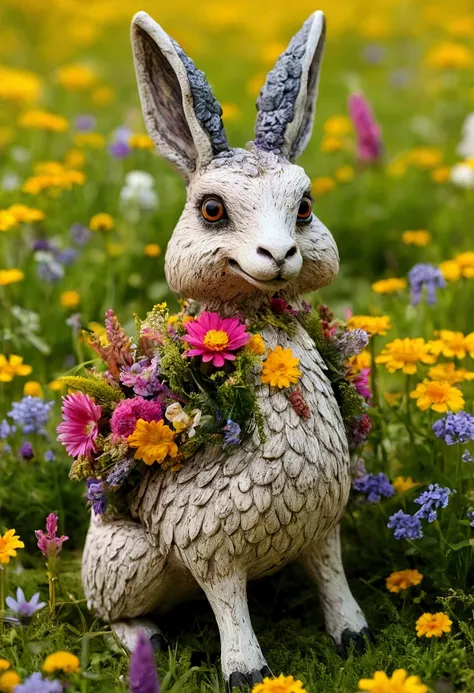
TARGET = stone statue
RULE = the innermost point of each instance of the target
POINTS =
(247, 231)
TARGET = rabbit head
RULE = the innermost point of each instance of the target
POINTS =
(248, 228)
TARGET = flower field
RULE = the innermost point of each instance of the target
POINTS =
(86, 211)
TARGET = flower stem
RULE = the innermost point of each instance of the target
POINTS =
(373, 373)
(2, 597)
(408, 411)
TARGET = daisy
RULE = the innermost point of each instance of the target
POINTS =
(214, 338)
(79, 429)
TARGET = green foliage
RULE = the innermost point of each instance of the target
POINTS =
(103, 393)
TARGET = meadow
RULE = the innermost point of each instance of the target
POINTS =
(86, 211)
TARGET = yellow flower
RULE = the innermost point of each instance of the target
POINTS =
(448, 372)
(61, 661)
(423, 157)
(9, 681)
(154, 441)
(359, 362)
(12, 366)
(329, 143)
(10, 276)
(441, 174)
(397, 168)
(338, 125)
(101, 222)
(74, 159)
(280, 684)
(402, 484)
(371, 324)
(141, 142)
(389, 286)
(450, 344)
(103, 95)
(402, 579)
(256, 345)
(438, 395)
(469, 343)
(322, 185)
(392, 398)
(24, 214)
(152, 250)
(465, 262)
(449, 56)
(450, 270)
(433, 625)
(70, 299)
(230, 111)
(344, 174)
(33, 389)
(404, 354)
(399, 682)
(42, 120)
(280, 368)
(76, 77)
(7, 220)
(20, 86)
(94, 140)
(56, 385)
(4, 665)
(8, 545)
(419, 238)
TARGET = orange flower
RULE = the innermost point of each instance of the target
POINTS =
(402, 579)
(433, 625)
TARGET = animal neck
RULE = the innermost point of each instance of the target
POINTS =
(250, 306)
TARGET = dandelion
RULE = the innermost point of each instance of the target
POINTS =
(79, 428)
(405, 526)
(402, 580)
(154, 441)
(101, 222)
(143, 677)
(425, 276)
(42, 120)
(419, 238)
(24, 608)
(434, 497)
(440, 174)
(10, 276)
(433, 625)
(403, 484)
(404, 354)
(338, 126)
(70, 299)
(7, 220)
(12, 366)
(92, 140)
(389, 286)
(66, 662)
(399, 682)
(280, 368)
(465, 262)
(9, 681)
(344, 174)
(279, 684)
(141, 142)
(438, 395)
(214, 338)
(152, 250)
(449, 55)
(374, 487)
(32, 389)
(369, 139)
(76, 77)
(373, 325)
(455, 428)
(27, 215)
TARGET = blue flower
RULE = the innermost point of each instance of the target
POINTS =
(374, 486)
(470, 516)
(37, 684)
(6, 429)
(434, 497)
(405, 526)
(425, 275)
(31, 414)
(50, 456)
(466, 456)
(25, 609)
(96, 496)
(26, 451)
(232, 433)
(80, 234)
(455, 428)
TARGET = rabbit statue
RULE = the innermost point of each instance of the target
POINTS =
(247, 231)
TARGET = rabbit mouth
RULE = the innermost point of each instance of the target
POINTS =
(270, 285)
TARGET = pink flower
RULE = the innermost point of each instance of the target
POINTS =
(80, 428)
(215, 338)
(361, 384)
(128, 411)
(369, 139)
(50, 544)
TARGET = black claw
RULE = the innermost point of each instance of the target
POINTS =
(358, 640)
(266, 671)
(159, 642)
(239, 680)
(254, 677)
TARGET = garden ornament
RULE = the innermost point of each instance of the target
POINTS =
(247, 232)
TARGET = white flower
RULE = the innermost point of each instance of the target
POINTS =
(10, 181)
(466, 146)
(144, 198)
(462, 175)
(139, 179)
(182, 421)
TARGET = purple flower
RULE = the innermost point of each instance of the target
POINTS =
(26, 451)
(466, 457)
(428, 276)
(470, 516)
(361, 384)
(25, 609)
(49, 456)
(118, 475)
(74, 321)
(85, 123)
(97, 500)
(80, 234)
(31, 414)
(128, 411)
(369, 139)
(142, 377)
(6, 429)
(50, 544)
(405, 526)
(357, 430)
(374, 486)
(119, 149)
(67, 256)
(455, 428)
(41, 244)
(37, 684)
(434, 497)
(143, 677)
(50, 271)
(232, 433)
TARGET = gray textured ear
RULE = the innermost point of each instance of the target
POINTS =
(287, 101)
(181, 114)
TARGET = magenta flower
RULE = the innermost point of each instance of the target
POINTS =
(361, 384)
(369, 138)
(80, 427)
(143, 677)
(128, 411)
(50, 544)
(215, 338)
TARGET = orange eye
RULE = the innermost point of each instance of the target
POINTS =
(305, 209)
(212, 209)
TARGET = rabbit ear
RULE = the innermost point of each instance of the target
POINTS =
(181, 114)
(287, 101)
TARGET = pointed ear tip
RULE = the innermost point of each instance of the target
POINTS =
(140, 18)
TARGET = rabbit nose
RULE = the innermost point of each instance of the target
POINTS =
(279, 256)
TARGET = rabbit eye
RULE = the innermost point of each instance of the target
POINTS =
(213, 209)
(305, 209)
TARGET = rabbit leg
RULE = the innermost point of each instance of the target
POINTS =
(344, 619)
(241, 657)
(123, 576)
